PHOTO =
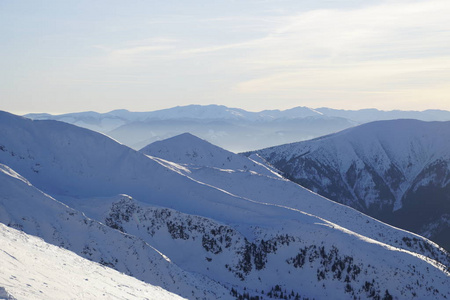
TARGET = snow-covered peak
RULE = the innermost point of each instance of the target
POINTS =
(410, 143)
(397, 171)
(199, 112)
(402, 146)
(296, 112)
(189, 149)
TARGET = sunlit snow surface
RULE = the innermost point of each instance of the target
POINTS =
(24, 207)
(33, 269)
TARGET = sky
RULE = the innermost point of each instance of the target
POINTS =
(66, 56)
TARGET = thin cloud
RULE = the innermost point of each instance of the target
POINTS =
(219, 48)
(384, 52)
(138, 50)
(381, 49)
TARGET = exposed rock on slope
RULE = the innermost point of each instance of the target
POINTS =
(397, 171)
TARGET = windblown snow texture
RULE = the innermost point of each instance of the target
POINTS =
(33, 269)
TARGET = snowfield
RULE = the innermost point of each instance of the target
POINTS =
(24, 207)
(34, 269)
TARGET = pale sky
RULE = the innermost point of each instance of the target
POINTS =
(65, 56)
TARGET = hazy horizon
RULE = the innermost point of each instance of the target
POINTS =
(313, 108)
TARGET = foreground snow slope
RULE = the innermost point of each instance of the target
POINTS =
(34, 269)
(24, 207)
(397, 171)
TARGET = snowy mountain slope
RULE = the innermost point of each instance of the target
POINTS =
(61, 159)
(276, 190)
(33, 269)
(100, 167)
(314, 259)
(331, 262)
(187, 148)
(24, 207)
(397, 171)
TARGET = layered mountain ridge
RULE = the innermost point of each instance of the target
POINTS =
(266, 187)
(397, 171)
(231, 128)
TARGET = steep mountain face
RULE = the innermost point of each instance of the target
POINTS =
(268, 260)
(33, 269)
(236, 240)
(271, 188)
(397, 171)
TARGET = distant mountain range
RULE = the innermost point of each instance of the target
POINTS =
(396, 171)
(202, 222)
(231, 128)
